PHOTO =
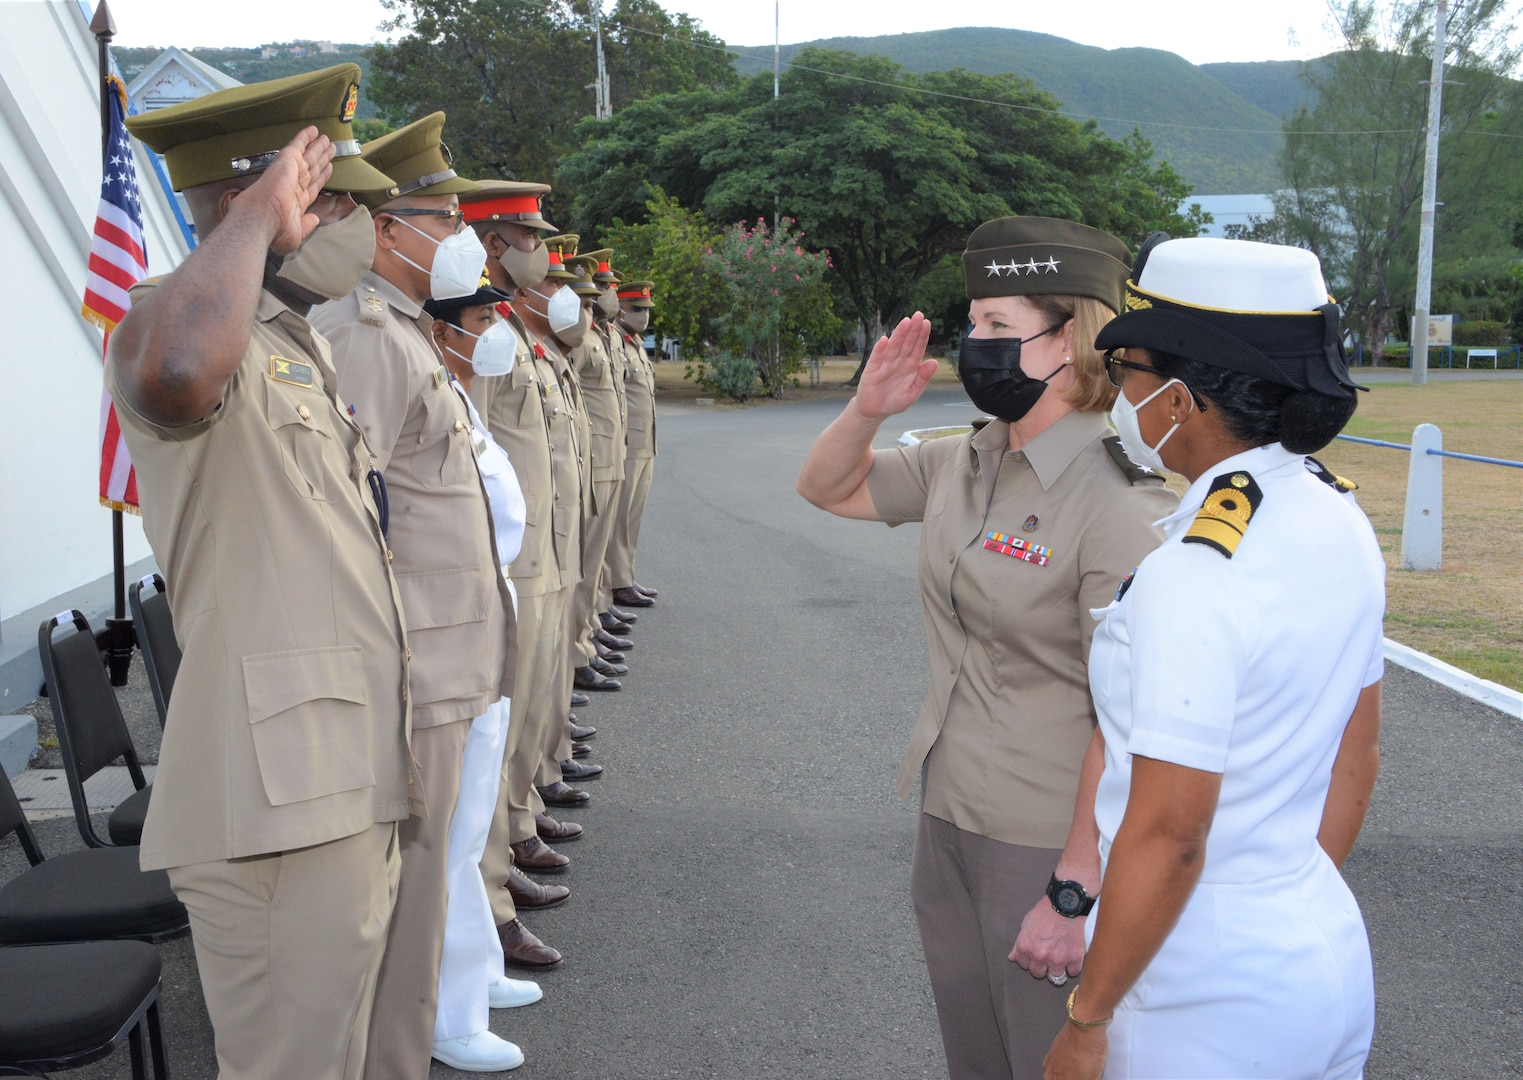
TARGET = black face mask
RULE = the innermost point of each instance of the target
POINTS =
(990, 370)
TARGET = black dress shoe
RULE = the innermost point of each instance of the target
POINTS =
(613, 656)
(642, 589)
(626, 616)
(572, 769)
(559, 831)
(522, 949)
(534, 854)
(629, 596)
(587, 678)
(607, 670)
(580, 749)
(613, 624)
(612, 641)
(561, 793)
(578, 700)
(528, 893)
(580, 732)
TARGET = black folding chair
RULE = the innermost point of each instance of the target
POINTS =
(89, 894)
(156, 637)
(62, 1006)
(92, 732)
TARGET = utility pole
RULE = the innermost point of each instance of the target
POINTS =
(603, 105)
(777, 67)
(1430, 195)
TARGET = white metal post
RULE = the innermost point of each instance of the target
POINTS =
(1430, 196)
(1422, 529)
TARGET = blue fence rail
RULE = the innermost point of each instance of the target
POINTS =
(1422, 531)
(1487, 358)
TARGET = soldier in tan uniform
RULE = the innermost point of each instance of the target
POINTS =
(284, 766)
(635, 304)
(457, 606)
(527, 414)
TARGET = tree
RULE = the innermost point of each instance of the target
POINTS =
(887, 170)
(671, 248)
(1353, 164)
(512, 75)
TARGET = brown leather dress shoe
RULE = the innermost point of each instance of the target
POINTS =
(528, 893)
(607, 668)
(522, 949)
(578, 700)
(580, 749)
(623, 616)
(629, 596)
(648, 592)
(586, 678)
(561, 793)
(613, 656)
(572, 769)
(580, 732)
(612, 641)
(534, 854)
(559, 831)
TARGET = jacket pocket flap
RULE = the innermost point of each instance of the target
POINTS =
(433, 598)
(276, 682)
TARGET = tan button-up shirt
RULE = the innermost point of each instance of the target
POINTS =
(1004, 728)
(530, 416)
(605, 410)
(639, 398)
(288, 726)
(460, 622)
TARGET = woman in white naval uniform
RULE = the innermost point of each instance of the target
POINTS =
(476, 340)
(1237, 684)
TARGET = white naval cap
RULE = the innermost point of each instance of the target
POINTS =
(1235, 275)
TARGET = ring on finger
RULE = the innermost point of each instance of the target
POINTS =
(1058, 978)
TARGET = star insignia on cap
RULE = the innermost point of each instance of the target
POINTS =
(995, 269)
(1013, 268)
(1051, 264)
(1031, 266)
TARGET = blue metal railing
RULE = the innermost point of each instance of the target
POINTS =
(1436, 453)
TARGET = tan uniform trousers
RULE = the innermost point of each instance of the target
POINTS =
(587, 598)
(970, 895)
(407, 993)
(288, 946)
(638, 473)
(552, 707)
(517, 801)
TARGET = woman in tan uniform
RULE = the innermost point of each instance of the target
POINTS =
(1030, 521)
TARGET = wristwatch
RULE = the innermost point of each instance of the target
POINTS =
(1069, 898)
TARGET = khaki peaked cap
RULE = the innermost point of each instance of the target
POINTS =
(583, 266)
(239, 131)
(1038, 256)
(507, 200)
(417, 161)
(637, 293)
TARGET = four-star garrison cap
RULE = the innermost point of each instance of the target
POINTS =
(239, 131)
(417, 161)
(1037, 256)
(637, 293)
(507, 200)
(1257, 309)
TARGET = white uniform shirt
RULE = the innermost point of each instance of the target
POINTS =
(504, 494)
(1247, 666)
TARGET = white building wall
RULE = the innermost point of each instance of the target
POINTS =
(54, 534)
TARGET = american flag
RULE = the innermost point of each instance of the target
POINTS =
(118, 261)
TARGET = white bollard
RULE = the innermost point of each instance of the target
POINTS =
(1422, 530)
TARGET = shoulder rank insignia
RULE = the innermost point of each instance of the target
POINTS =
(1133, 472)
(290, 371)
(441, 376)
(1223, 517)
(1126, 583)
(375, 303)
(1330, 478)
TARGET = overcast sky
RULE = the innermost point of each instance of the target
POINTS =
(1201, 31)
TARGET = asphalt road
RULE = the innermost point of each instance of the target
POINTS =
(740, 904)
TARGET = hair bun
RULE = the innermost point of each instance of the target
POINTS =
(1309, 420)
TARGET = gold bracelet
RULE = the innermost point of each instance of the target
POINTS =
(1072, 1019)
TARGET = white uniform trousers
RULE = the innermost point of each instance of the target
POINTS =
(472, 956)
(1267, 979)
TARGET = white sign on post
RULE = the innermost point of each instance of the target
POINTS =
(1440, 331)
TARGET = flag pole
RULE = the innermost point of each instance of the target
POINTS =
(120, 636)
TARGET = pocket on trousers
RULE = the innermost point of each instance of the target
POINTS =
(445, 612)
(307, 714)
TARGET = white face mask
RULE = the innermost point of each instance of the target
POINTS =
(1124, 420)
(495, 350)
(562, 308)
(458, 263)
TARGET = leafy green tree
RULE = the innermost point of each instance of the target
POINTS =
(672, 249)
(1353, 164)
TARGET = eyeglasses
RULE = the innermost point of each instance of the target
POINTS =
(1116, 369)
(456, 217)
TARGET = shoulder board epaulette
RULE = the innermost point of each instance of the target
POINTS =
(982, 422)
(1330, 478)
(1133, 472)
(1223, 518)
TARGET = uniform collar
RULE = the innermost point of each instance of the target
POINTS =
(1051, 452)
(1260, 462)
(373, 282)
(270, 306)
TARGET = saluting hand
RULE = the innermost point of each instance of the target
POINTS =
(897, 372)
(291, 185)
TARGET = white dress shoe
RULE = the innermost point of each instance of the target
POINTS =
(511, 993)
(482, 1052)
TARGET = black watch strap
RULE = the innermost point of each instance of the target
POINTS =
(1069, 898)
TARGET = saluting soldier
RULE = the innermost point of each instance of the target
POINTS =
(635, 305)
(284, 766)
(527, 415)
(458, 608)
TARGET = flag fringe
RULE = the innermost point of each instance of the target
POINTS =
(121, 507)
